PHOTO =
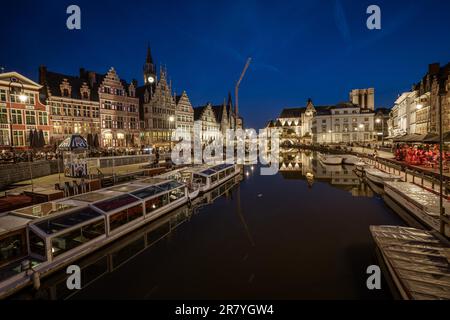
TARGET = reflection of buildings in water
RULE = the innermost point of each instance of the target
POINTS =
(303, 166)
(112, 257)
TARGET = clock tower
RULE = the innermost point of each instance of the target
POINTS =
(149, 69)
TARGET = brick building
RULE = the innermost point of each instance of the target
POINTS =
(21, 111)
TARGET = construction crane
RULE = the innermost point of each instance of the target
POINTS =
(236, 92)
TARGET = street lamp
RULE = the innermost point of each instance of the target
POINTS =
(378, 121)
(361, 128)
(171, 121)
(13, 88)
(23, 98)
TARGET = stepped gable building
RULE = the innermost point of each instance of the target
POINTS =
(73, 103)
(92, 103)
(119, 110)
(157, 106)
(222, 118)
(184, 116)
(210, 126)
(21, 111)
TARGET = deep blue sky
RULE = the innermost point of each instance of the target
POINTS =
(319, 48)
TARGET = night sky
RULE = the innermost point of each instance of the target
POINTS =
(300, 49)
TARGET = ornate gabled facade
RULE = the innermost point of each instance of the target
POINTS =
(184, 116)
(73, 104)
(222, 118)
(210, 127)
(157, 106)
(119, 110)
(21, 111)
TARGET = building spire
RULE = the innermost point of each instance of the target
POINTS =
(230, 101)
(149, 58)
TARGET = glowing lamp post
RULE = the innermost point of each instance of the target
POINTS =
(361, 129)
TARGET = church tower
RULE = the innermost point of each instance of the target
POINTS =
(149, 69)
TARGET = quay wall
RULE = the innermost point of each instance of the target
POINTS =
(15, 172)
(11, 173)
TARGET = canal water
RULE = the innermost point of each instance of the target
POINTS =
(300, 234)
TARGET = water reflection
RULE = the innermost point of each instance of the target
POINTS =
(306, 166)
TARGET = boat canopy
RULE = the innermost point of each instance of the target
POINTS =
(9, 222)
(95, 196)
(215, 169)
(43, 209)
(60, 223)
(155, 190)
(116, 203)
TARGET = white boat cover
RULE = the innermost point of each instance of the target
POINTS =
(424, 199)
(418, 259)
(381, 174)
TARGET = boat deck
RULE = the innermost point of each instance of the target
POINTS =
(418, 261)
(426, 200)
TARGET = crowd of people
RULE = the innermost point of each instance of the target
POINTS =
(425, 155)
(7, 156)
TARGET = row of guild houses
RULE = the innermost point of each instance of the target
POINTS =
(113, 112)
(416, 112)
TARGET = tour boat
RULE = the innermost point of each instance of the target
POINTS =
(350, 159)
(71, 228)
(214, 176)
(380, 177)
(110, 258)
(184, 175)
(422, 204)
(330, 159)
(361, 166)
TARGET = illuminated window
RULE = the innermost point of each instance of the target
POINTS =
(16, 116)
(30, 117)
(18, 138)
(2, 95)
(43, 118)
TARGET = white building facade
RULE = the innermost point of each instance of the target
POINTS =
(343, 123)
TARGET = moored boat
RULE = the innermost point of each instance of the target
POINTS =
(415, 260)
(422, 204)
(350, 159)
(379, 177)
(330, 159)
(361, 166)
(211, 177)
(69, 229)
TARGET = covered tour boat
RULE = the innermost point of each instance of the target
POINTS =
(54, 234)
(380, 177)
(422, 204)
(212, 177)
(416, 261)
(350, 159)
(330, 159)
